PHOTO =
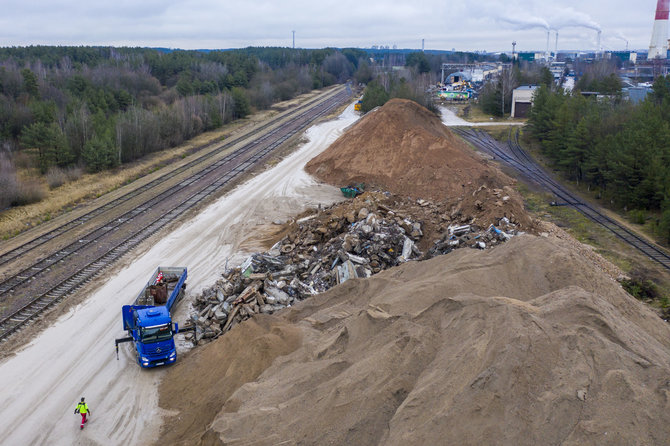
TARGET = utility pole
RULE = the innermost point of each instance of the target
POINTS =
(502, 87)
(293, 38)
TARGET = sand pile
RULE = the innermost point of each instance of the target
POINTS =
(405, 149)
(527, 343)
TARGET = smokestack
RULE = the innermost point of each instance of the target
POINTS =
(548, 54)
(556, 52)
(658, 48)
(598, 47)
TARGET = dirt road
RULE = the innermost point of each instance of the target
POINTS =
(75, 356)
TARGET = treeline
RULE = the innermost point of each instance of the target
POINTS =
(621, 151)
(99, 107)
(389, 85)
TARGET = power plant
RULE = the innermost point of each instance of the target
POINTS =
(658, 48)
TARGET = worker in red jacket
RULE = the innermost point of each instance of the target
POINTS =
(83, 410)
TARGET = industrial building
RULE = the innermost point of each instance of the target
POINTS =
(522, 100)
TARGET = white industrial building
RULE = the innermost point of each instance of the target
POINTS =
(522, 99)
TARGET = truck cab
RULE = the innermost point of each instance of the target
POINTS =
(153, 334)
(149, 322)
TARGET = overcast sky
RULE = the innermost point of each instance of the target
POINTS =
(462, 25)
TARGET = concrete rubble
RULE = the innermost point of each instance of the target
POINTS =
(320, 254)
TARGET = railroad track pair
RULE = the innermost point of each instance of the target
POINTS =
(43, 238)
(513, 155)
(203, 183)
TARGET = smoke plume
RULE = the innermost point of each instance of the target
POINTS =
(567, 17)
(524, 21)
(512, 13)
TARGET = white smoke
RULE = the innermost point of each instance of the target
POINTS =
(618, 35)
(524, 16)
(515, 14)
(524, 21)
(567, 17)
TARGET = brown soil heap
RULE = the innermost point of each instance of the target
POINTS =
(524, 344)
(405, 149)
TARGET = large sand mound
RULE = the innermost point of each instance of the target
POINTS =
(527, 344)
(405, 149)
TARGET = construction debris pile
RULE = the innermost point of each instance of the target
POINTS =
(326, 249)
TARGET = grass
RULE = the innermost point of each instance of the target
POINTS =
(68, 195)
(81, 188)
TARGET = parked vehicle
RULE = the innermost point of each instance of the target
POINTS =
(148, 321)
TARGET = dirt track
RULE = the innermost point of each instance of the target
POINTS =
(75, 356)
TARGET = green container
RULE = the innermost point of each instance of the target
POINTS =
(352, 190)
(347, 192)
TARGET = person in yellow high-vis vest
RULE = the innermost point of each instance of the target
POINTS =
(83, 410)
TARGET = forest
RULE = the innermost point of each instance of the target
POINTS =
(65, 109)
(617, 150)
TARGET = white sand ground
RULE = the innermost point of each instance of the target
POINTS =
(75, 357)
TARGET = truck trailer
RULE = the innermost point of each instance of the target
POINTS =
(148, 321)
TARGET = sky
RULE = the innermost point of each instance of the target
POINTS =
(484, 25)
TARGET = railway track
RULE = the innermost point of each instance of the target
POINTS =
(513, 155)
(44, 238)
(91, 237)
(105, 244)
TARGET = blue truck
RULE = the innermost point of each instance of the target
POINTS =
(148, 321)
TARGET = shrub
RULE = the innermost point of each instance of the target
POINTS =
(8, 182)
(28, 192)
(25, 160)
(640, 288)
(663, 228)
(637, 216)
(73, 173)
(56, 177)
